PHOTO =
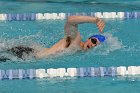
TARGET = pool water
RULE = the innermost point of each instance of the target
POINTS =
(120, 49)
(68, 7)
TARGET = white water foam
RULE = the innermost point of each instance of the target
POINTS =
(10, 43)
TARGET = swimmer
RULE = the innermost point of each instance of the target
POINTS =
(71, 40)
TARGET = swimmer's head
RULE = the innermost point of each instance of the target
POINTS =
(93, 41)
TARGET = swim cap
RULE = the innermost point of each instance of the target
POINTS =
(101, 38)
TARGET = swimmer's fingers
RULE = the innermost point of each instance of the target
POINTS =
(100, 25)
(102, 28)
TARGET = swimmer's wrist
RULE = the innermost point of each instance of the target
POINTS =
(97, 20)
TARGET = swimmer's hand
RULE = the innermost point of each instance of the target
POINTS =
(100, 24)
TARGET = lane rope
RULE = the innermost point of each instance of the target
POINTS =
(11, 74)
(62, 16)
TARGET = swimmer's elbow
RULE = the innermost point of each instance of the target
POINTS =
(71, 20)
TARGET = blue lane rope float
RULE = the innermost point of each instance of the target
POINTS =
(11, 74)
(54, 16)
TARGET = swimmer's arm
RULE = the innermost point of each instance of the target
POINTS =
(74, 20)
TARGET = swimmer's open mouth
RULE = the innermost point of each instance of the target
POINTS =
(88, 47)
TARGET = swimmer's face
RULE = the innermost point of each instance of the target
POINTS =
(90, 43)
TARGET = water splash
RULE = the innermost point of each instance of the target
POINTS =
(27, 41)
